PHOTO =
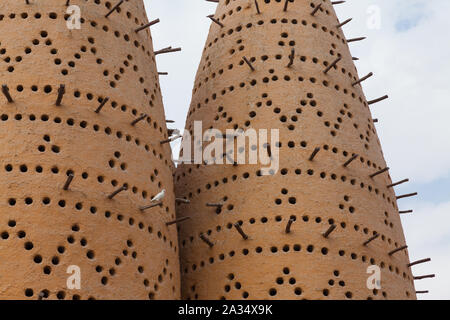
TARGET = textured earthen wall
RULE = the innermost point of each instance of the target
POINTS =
(311, 109)
(123, 253)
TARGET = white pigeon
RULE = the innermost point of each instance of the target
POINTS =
(176, 132)
(159, 196)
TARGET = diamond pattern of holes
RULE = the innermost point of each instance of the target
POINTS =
(311, 172)
(285, 195)
(232, 284)
(115, 160)
(71, 64)
(336, 282)
(84, 125)
(46, 144)
(286, 279)
(343, 207)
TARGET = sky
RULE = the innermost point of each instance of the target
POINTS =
(408, 50)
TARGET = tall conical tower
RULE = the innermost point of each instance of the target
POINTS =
(82, 123)
(327, 220)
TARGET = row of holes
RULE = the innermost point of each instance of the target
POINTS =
(84, 124)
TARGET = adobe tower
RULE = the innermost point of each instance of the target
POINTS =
(314, 228)
(83, 154)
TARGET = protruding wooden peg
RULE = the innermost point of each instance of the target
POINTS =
(362, 79)
(375, 236)
(147, 25)
(329, 231)
(314, 153)
(425, 277)
(114, 8)
(142, 117)
(167, 50)
(405, 211)
(377, 100)
(177, 221)
(291, 58)
(163, 73)
(216, 205)
(351, 160)
(289, 225)
(373, 175)
(375, 120)
(206, 240)
(332, 65)
(102, 104)
(286, 2)
(422, 292)
(181, 200)
(356, 39)
(170, 121)
(337, 2)
(257, 7)
(112, 195)
(248, 63)
(170, 139)
(5, 91)
(216, 21)
(407, 195)
(418, 262)
(153, 205)
(61, 91)
(343, 23)
(397, 183)
(241, 232)
(68, 181)
(316, 9)
(397, 250)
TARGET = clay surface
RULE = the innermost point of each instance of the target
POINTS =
(311, 109)
(122, 252)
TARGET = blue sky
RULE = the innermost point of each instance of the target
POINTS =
(409, 55)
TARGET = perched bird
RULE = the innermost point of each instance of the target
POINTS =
(159, 196)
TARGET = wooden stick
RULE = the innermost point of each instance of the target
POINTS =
(371, 239)
(153, 205)
(241, 232)
(112, 195)
(329, 231)
(114, 8)
(147, 25)
(316, 9)
(425, 277)
(206, 240)
(350, 160)
(418, 262)
(289, 225)
(396, 183)
(68, 181)
(407, 195)
(397, 250)
(314, 153)
(379, 172)
(332, 65)
(177, 221)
